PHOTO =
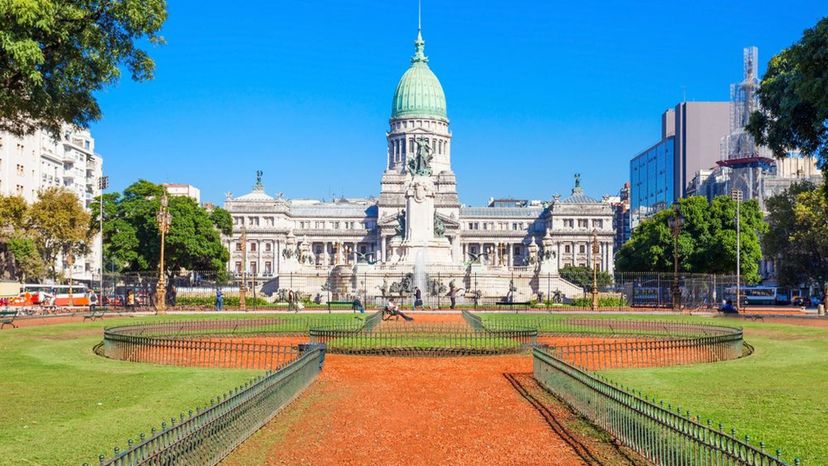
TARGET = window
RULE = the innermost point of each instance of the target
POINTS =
(252, 247)
(320, 225)
(238, 247)
(268, 268)
(238, 266)
(567, 249)
(268, 247)
(582, 249)
(254, 221)
(335, 225)
(599, 224)
(253, 267)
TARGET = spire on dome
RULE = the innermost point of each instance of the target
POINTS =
(419, 44)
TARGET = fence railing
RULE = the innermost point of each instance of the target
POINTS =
(651, 353)
(660, 434)
(205, 436)
(473, 289)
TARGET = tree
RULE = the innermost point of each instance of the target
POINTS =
(796, 236)
(132, 239)
(55, 55)
(28, 264)
(21, 259)
(706, 244)
(794, 99)
(582, 276)
(59, 225)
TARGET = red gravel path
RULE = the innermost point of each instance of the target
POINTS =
(378, 410)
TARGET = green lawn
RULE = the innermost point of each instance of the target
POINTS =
(62, 404)
(777, 395)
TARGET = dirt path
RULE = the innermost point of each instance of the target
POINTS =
(378, 410)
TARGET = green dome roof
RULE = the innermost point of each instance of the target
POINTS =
(419, 93)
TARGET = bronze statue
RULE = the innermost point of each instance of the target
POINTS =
(420, 164)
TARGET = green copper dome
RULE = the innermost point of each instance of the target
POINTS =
(419, 93)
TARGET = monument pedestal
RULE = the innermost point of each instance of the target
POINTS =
(422, 244)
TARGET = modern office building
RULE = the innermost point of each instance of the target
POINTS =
(39, 161)
(691, 135)
(621, 215)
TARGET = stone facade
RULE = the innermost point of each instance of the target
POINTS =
(417, 225)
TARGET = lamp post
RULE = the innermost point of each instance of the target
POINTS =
(676, 222)
(595, 250)
(164, 219)
(103, 183)
(243, 286)
(736, 195)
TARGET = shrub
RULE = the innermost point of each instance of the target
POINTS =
(603, 301)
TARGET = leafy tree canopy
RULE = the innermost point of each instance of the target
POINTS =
(59, 225)
(706, 244)
(132, 239)
(794, 99)
(582, 276)
(55, 54)
(796, 235)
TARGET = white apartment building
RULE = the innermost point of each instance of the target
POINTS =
(38, 161)
(183, 190)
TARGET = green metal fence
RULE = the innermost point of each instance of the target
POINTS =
(661, 434)
(205, 436)
(420, 339)
(652, 352)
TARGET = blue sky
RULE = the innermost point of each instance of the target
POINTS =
(536, 91)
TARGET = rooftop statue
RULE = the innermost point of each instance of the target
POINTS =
(420, 164)
(259, 174)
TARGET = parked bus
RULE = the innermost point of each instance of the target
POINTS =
(51, 295)
(760, 295)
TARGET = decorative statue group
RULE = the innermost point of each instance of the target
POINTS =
(420, 164)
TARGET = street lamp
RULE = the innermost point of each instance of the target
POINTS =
(595, 250)
(164, 218)
(243, 287)
(736, 195)
(103, 183)
(676, 222)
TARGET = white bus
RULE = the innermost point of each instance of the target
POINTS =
(760, 295)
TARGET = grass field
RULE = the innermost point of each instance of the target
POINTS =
(62, 404)
(777, 395)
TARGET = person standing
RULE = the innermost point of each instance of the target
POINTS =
(219, 299)
(93, 301)
(418, 301)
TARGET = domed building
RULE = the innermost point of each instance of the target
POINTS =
(416, 229)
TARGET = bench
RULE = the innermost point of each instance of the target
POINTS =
(98, 313)
(342, 303)
(7, 318)
(524, 304)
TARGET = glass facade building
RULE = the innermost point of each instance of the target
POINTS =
(651, 180)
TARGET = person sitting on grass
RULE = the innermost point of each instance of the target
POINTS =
(391, 310)
(728, 307)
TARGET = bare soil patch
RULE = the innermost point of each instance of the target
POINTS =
(381, 410)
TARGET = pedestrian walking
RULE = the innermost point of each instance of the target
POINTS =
(219, 300)
(418, 300)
